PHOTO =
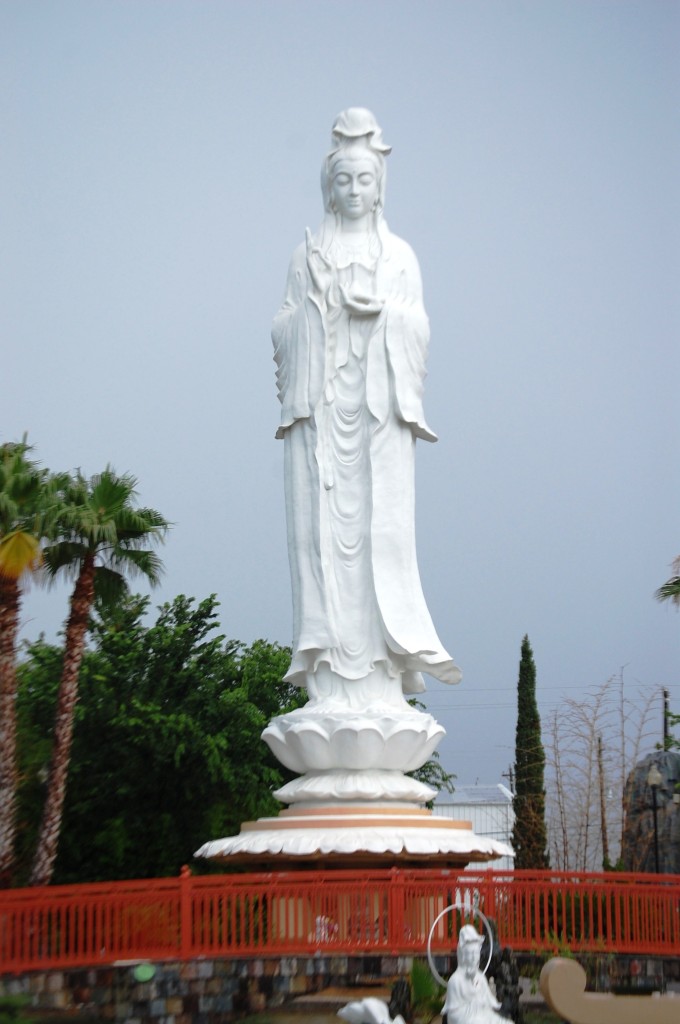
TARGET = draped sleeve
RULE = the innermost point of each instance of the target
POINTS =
(295, 326)
(407, 339)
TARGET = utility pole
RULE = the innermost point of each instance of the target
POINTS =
(603, 806)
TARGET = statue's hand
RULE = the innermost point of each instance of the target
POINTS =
(320, 270)
(360, 303)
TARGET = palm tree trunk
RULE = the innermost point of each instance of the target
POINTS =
(74, 648)
(9, 628)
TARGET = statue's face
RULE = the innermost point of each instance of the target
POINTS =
(354, 187)
(468, 955)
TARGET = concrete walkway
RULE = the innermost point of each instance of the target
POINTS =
(330, 1000)
(333, 998)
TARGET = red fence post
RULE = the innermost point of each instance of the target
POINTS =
(185, 913)
(396, 923)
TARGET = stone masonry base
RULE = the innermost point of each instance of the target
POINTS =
(214, 991)
(198, 991)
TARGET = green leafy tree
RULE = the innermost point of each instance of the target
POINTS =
(670, 591)
(529, 837)
(103, 537)
(166, 747)
(432, 773)
(25, 503)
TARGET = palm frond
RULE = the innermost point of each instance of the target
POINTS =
(64, 558)
(112, 492)
(109, 586)
(26, 492)
(140, 523)
(134, 562)
(670, 591)
(97, 517)
(20, 554)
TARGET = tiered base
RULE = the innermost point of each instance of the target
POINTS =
(356, 834)
(353, 803)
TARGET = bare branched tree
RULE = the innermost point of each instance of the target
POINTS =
(591, 746)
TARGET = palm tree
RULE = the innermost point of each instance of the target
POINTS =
(24, 507)
(102, 539)
(670, 591)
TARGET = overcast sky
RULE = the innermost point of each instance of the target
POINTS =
(160, 161)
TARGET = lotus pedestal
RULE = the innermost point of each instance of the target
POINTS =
(353, 803)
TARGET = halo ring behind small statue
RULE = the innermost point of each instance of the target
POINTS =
(447, 910)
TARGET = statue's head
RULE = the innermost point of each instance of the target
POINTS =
(469, 946)
(355, 136)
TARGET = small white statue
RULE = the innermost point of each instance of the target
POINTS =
(350, 344)
(469, 999)
(368, 1011)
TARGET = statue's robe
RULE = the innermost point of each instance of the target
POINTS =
(470, 1000)
(315, 342)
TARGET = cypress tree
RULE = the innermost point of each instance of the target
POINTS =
(529, 837)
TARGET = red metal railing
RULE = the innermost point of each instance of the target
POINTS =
(334, 912)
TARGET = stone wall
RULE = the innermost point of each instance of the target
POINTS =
(199, 991)
(212, 991)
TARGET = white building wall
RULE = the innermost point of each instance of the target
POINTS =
(489, 808)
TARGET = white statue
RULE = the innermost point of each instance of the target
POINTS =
(368, 1011)
(350, 344)
(469, 999)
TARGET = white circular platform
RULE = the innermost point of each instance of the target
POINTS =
(352, 830)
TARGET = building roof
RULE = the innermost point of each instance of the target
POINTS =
(476, 794)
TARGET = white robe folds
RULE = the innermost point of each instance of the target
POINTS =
(469, 1000)
(351, 393)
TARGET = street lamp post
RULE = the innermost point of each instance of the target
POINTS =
(654, 780)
